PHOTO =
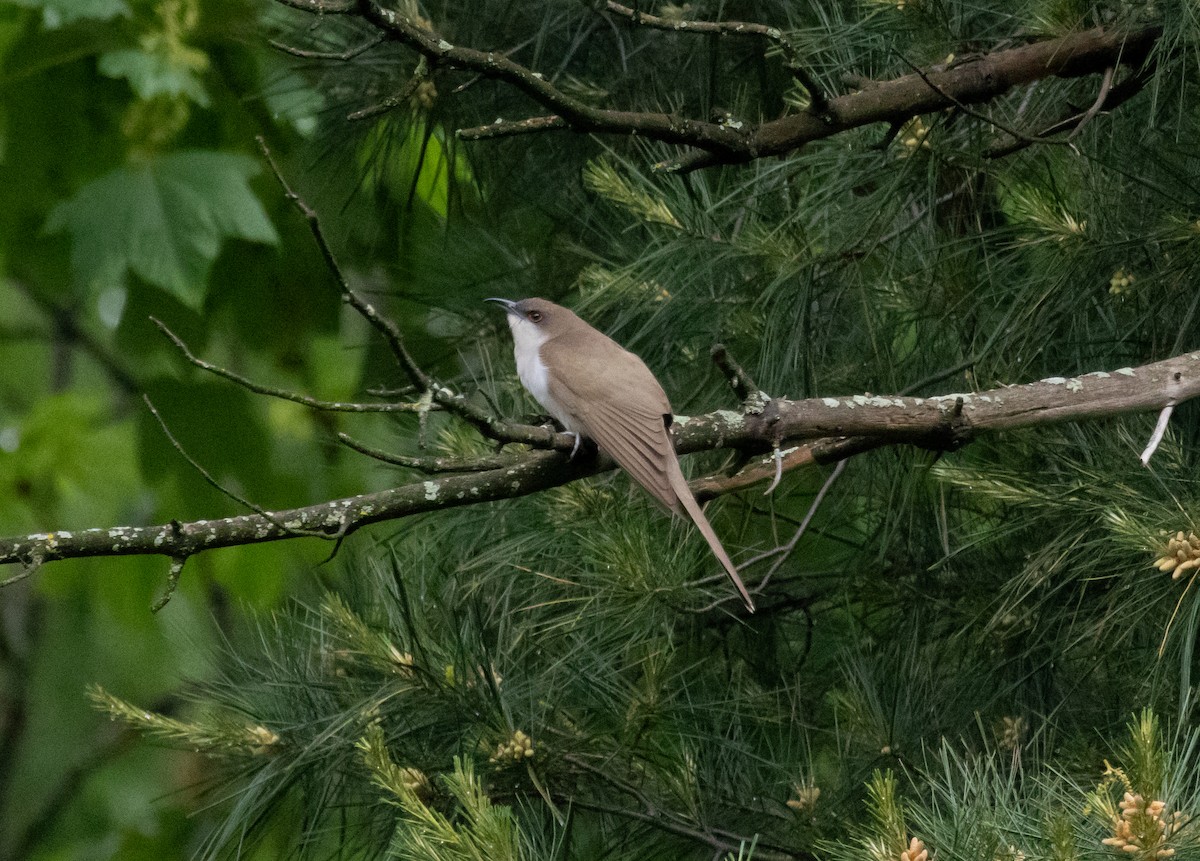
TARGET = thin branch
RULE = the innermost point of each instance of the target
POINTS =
(733, 28)
(978, 81)
(757, 471)
(579, 115)
(784, 551)
(712, 143)
(340, 56)
(510, 128)
(979, 115)
(1115, 97)
(172, 583)
(431, 465)
(841, 427)
(282, 394)
(194, 464)
(1090, 113)
(1160, 428)
(742, 384)
(177, 559)
(389, 330)
(454, 402)
(395, 100)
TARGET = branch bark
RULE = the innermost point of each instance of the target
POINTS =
(835, 428)
(711, 143)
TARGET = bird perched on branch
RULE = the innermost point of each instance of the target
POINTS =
(596, 389)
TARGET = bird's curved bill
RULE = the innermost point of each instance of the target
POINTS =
(509, 304)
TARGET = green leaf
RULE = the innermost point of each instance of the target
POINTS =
(164, 219)
(151, 73)
(56, 13)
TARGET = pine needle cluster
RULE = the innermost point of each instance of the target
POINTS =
(942, 667)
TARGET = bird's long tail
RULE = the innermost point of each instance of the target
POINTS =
(688, 502)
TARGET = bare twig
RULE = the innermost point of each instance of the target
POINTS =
(339, 56)
(194, 464)
(389, 330)
(509, 128)
(1160, 428)
(757, 471)
(732, 28)
(786, 550)
(1116, 96)
(454, 402)
(220, 488)
(431, 465)
(173, 575)
(742, 384)
(395, 100)
(282, 394)
(1101, 97)
(979, 115)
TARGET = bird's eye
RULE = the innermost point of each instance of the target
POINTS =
(535, 316)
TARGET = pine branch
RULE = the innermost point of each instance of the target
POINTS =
(976, 81)
(840, 426)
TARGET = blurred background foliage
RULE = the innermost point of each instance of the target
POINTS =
(974, 652)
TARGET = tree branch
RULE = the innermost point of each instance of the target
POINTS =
(282, 394)
(711, 143)
(454, 402)
(842, 427)
(980, 80)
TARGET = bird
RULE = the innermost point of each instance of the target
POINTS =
(598, 390)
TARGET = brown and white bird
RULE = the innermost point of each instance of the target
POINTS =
(596, 389)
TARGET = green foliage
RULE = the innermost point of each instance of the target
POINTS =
(945, 662)
(163, 220)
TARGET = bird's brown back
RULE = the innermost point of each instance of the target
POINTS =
(615, 401)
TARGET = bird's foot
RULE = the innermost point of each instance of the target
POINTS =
(575, 448)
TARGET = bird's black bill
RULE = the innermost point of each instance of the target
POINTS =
(509, 304)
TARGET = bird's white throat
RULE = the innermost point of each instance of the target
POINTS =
(535, 376)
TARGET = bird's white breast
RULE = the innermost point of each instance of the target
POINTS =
(534, 375)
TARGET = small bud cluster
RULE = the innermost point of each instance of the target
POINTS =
(403, 660)
(517, 749)
(414, 779)
(805, 798)
(1120, 282)
(1010, 732)
(262, 740)
(1143, 827)
(1183, 555)
(914, 135)
(424, 95)
(916, 851)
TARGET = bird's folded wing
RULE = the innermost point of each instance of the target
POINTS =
(619, 405)
(638, 442)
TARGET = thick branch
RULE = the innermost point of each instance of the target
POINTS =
(980, 80)
(851, 424)
(973, 82)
